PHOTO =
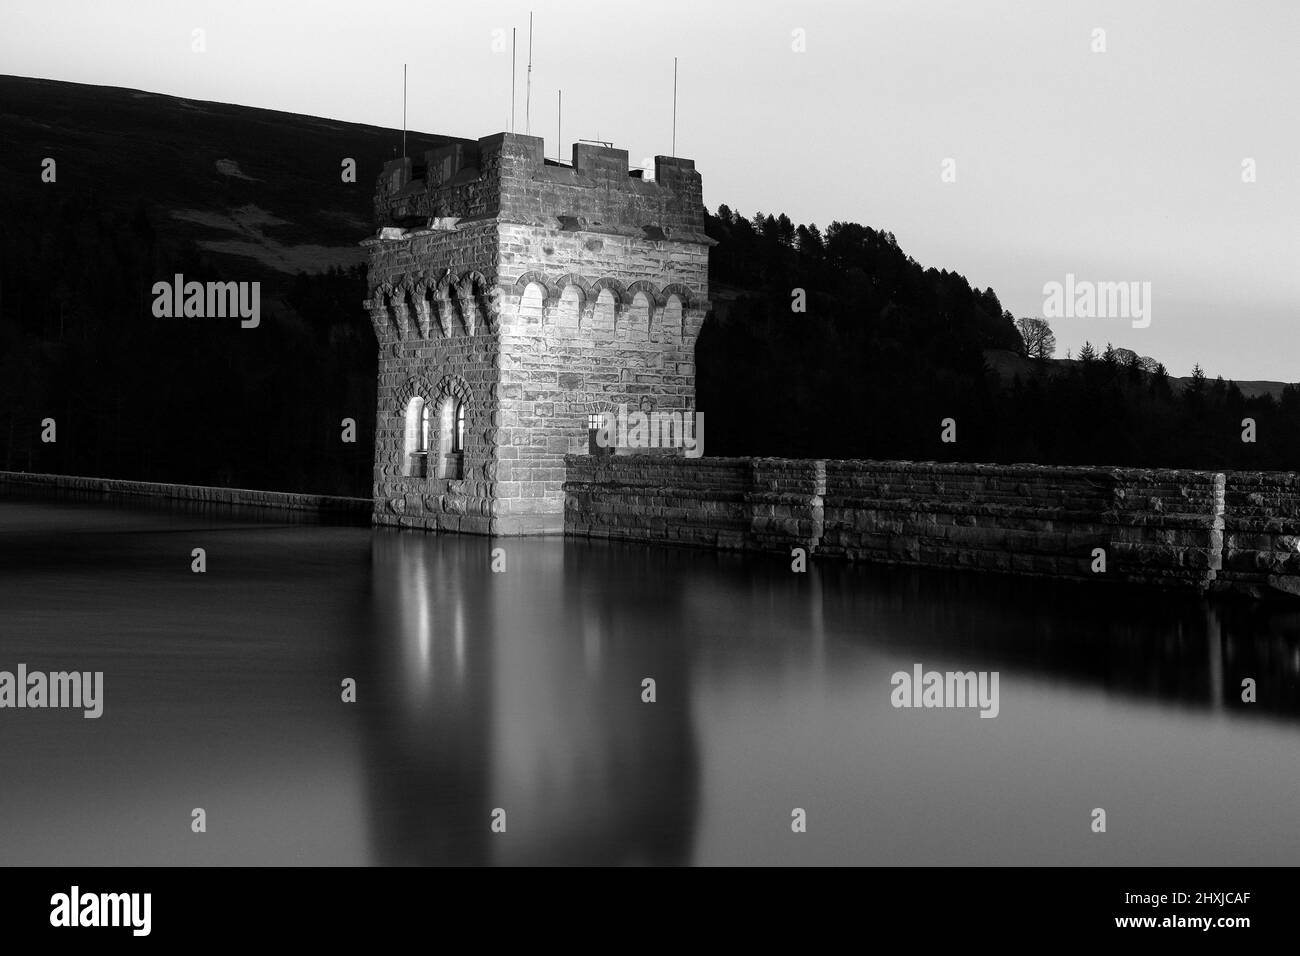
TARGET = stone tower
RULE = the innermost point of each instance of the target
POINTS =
(513, 298)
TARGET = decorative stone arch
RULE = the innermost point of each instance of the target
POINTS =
(405, 308)
(413, 387)
(492, 307)
(582, 290)
(444, 297)
(478, 298)
(378, 311)
(395, 310)
(529, 309)
(424, 308)
(409, 404)
(551, 292)
(452, 392)
(672, 324)
(683, 293)
(616, 288)
(648, 287)
(582, 284)
(643, 326)
(605, 291)
(452, 387)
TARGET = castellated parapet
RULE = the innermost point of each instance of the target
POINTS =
(513, 298)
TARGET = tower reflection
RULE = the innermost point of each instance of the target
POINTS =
(522, 691)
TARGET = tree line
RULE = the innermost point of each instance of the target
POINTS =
(886, 350)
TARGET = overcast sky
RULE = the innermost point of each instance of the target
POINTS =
(1123, 165)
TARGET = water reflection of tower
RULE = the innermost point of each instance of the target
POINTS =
(426, 697)
(602, 777)
(522, 690)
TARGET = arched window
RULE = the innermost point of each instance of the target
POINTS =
(451, 439)
(415, 443)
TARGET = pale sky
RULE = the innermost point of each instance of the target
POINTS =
(1123, 165)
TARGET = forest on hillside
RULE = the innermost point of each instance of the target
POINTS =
(886, 350)
(144, 398)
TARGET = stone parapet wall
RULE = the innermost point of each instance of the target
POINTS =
(1153, 526)
(99, 488)
(506, 176)
(1261, 532)
(656, 498)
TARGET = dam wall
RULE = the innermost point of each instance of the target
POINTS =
(1180, 529)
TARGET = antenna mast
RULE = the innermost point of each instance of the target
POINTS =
(403, 111)
(559, 125)
(512, 79)
(674, 106)
(528, 92)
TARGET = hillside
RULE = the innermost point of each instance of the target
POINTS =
(151, 185)
(253, 188)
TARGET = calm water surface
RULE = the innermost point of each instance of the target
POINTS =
(522, 690)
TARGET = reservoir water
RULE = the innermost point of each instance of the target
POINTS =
(522, 690)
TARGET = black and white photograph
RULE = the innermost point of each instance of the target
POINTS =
(695, 434)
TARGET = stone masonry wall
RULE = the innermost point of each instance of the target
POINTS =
(435, 329)
(1261, 547)
(506, 175)
(1156, 527)
(652, 498)
(726, 503)
(562, 361)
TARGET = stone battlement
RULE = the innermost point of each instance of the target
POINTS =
(506, 177)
